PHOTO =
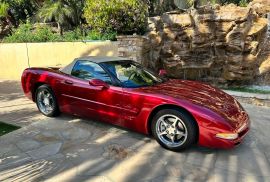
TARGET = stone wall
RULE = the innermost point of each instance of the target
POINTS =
(218, 44)
(133, 47)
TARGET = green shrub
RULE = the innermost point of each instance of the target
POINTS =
(243, 3)
(72, 35)
(121, 16)
(183, 4)
(96, 35)
(238, 2)
(21, 34)
(44, 34)
(28, 33)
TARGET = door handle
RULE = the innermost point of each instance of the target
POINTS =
(68, 82)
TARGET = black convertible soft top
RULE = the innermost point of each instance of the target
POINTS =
(96, 59)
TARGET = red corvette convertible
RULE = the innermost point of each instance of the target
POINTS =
(178, 113)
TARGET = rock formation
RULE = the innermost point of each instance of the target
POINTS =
(219, 44)
(262, 7)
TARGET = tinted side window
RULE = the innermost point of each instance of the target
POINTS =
(88, 70)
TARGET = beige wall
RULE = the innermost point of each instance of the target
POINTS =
(14, 59)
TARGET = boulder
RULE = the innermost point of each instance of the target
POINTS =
(250, 60)
(236, 37)
(169, 34)
(222, 29)
(154, 23)
(177, 20)
(180, 46)
(262, 7)
(227, 13)
(155, 38)
(258, 27)
(265, 66)
(251, 47)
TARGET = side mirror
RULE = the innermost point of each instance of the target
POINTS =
(99, 83)
(162, 73)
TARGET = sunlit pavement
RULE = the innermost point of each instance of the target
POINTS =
(71, 149)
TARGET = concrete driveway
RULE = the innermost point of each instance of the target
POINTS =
(73, 149)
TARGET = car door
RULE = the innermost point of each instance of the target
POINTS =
(92, 101)
(131, 103)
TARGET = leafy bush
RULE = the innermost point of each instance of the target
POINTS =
(20, 10)
(3, 9)
(73, 35)
(243, 3)
(183, 4)
(121, 16)
(22, 34)
(28, 33)
(238, 2)
(44, 34)
(96, 35)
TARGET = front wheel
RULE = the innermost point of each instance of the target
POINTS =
(46, 101)
(174, 130)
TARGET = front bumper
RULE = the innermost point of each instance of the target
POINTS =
(208, 137)
(232, 143)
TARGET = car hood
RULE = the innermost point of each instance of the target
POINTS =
(204, 95)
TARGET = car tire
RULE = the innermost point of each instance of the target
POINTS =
(46, 101)
(174, 129)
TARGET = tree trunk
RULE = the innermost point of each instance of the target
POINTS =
(196, 4)
(60, 29)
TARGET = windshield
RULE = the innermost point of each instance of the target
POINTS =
(131, 74)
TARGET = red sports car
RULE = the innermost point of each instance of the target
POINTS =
(178, 113)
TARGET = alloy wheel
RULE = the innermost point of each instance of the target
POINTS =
(171, 130)
(45, 102)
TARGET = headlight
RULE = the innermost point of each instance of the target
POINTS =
(227, 136)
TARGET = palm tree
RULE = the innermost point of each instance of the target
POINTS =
(77, 7)
(63, 12)
(57, 11)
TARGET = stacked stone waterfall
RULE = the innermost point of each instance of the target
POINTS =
(218, 43)
(263, 78)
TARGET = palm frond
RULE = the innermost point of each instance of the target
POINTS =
(61, 11)
(4, 9)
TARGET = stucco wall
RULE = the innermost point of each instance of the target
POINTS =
(14, 58)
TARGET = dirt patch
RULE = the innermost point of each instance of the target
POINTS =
(117, 152)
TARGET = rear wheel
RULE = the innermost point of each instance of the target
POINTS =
(174, 130)
(46, 101)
